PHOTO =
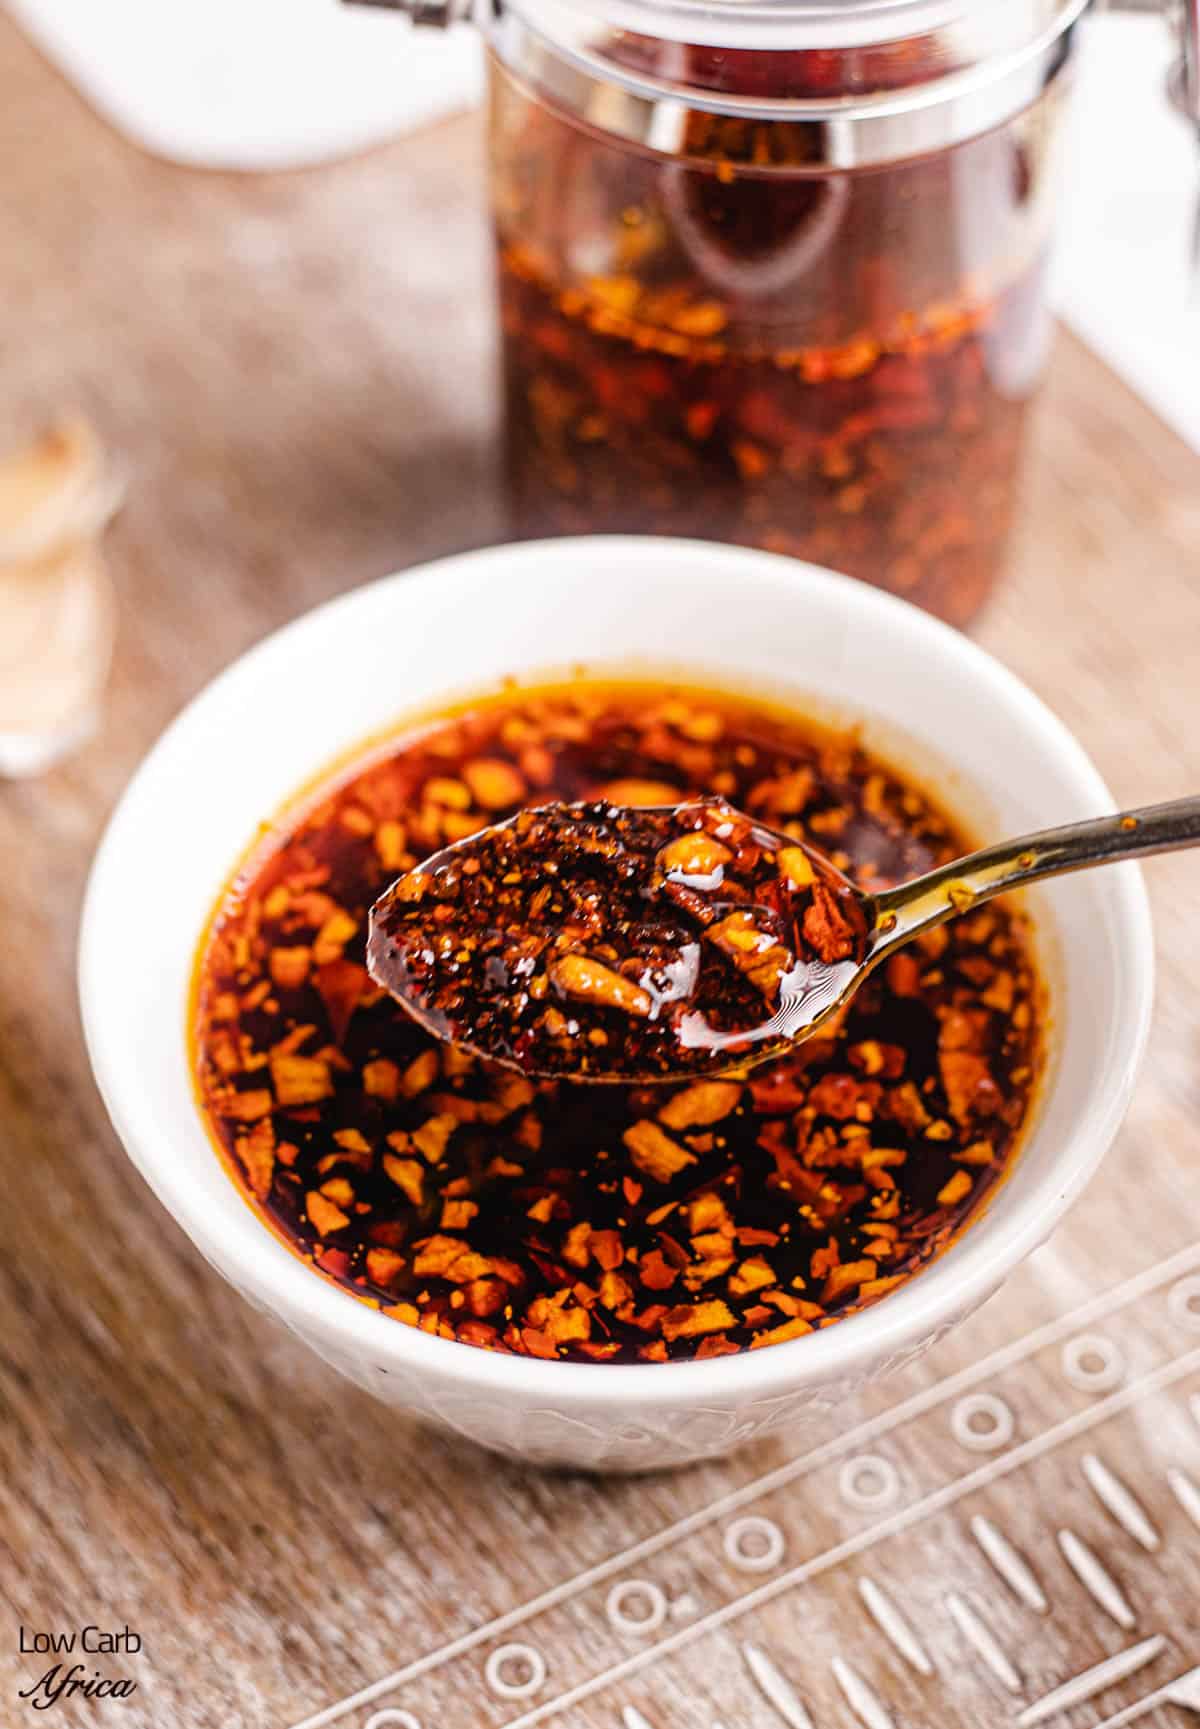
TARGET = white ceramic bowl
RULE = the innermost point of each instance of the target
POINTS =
(750, 620)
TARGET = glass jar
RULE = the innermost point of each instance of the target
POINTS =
(788, 296)
(773, 271)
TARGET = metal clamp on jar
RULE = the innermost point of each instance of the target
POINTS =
(772, 271)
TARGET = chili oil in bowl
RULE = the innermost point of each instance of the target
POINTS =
(607, 1275)
(628, 1223)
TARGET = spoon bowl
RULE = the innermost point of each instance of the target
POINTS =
(607, 943)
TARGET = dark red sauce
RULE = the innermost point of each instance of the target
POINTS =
(606, 1223)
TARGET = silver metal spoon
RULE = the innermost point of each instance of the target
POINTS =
(677, 1041)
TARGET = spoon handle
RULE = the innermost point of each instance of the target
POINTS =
(901, 912)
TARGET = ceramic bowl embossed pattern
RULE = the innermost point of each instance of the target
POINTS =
(925, 697)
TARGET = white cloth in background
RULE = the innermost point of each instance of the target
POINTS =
(1123, 275)
(254, 83)
(281, 83)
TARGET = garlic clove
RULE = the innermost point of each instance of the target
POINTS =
(57, 604)
(59, 489)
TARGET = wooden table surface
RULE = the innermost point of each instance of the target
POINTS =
(299, 371)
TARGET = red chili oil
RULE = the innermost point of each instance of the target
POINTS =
(609, 1223)
(731, 345)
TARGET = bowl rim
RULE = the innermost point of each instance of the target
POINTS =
(983, 1256)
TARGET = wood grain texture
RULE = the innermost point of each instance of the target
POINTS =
(299, 372)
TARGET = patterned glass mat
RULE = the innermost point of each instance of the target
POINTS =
(1012, 1540)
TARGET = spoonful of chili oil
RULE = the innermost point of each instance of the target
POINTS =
(600, 943)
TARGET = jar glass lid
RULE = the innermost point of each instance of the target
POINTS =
(858, 82)
(978, 28)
